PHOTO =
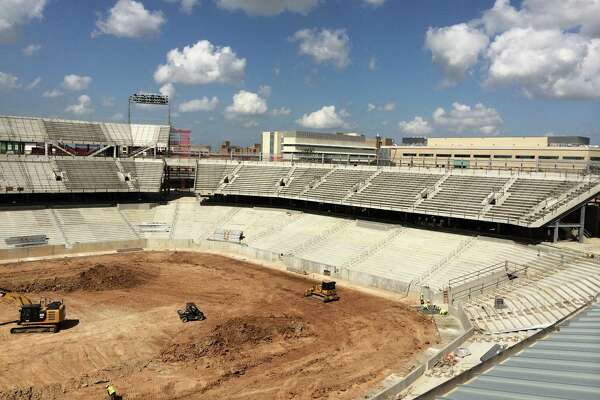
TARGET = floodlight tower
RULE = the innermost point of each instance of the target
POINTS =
(153, 99)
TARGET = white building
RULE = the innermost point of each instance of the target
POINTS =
(326, 147)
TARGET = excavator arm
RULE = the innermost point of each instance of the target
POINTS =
(20, 299)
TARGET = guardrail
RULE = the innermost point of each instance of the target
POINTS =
(477, 282)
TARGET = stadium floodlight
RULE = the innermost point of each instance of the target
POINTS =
(152, 99)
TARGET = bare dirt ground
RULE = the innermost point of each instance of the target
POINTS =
(261, 340)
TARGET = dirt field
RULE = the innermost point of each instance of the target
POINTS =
(261, 340)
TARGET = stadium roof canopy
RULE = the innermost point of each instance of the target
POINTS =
(31, 129)
(563, 366)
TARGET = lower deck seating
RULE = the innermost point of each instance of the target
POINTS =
(29, 223)
(82, 225)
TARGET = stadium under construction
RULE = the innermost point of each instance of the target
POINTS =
(480, 263)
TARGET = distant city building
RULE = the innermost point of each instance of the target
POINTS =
(507, 152)
(200, 150)
(227, 149)
(328, 147)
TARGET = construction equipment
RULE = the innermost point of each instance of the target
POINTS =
(45, 316)
(324, 291)
(191, 313)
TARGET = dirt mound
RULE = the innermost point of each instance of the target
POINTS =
(98, 277)
(238, 334)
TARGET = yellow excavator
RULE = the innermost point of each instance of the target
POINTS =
(45, 316)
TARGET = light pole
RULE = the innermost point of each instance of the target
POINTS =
(153, 99)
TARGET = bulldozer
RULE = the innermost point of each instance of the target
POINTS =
(45, 316)
(324, 291)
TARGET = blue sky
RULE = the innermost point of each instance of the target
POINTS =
(396, 68)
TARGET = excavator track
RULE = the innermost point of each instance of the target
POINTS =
(34, 329)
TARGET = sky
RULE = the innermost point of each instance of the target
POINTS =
(235, 68)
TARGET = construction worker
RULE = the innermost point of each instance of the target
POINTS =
(112, 392)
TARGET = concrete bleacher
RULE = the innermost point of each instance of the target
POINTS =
(256, 180)
(94, 224)
(210, 176)
(479, 253)
(40, 130)
(525, 194)
(390, 189)
(301, 230)
(525, 199)
(193, 221)
(462, 194)
(338, 185)
(27, 223)
(38, 175)
(147, 174)
(301, 180)
(343, 245)
(91, 174)
(411, 254)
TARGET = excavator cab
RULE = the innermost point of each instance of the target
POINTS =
(36, 317)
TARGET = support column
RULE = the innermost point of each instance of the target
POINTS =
(556, 230)
(582, 224)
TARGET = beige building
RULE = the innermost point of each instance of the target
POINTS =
(519, 153)
(328, 147)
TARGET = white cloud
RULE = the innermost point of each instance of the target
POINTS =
(325, 46)
(582, 15)
(201, 63)
(130, 19)
(16, 13)
(374, 3)
(325, 118)
(418, 126)
(52, 93)
(269, 7)
(203, 104)
(281, 111)
(546, 63)
(76, 82)
(465, 119)
(264, 90)
(117, 117)
(168, 89)
(83, 106)
(31, 49)
(455, 49)
(373, 64)
(387, 107)
(246, 103)
(186, 6)
(547, 48)
(108, 102)
(9, 81)
(34, 83)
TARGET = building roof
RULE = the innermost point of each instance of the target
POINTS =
(563, 366)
